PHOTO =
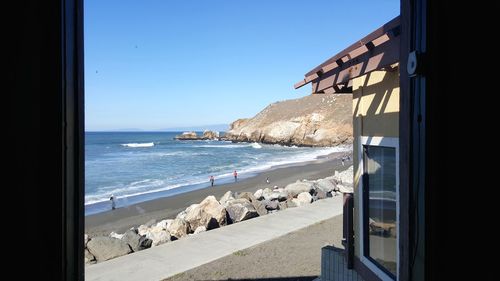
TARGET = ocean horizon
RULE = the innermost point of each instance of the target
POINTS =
(140, 166)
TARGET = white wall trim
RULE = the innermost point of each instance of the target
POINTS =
(387, 142)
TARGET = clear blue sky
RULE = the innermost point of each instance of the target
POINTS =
(159, 64)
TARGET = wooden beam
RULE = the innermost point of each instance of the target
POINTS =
(370, 37)
(381, 56)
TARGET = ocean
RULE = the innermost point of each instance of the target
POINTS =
(139, 166)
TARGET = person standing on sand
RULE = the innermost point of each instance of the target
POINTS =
(267, 180)
(113, 205)
(212, 180)
(235, 174)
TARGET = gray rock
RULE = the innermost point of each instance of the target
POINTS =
(271, 205)
(115, 235)
(282, 205)
(187, 136)
(294, 189)
(240, 210)
(302, 199)
(136, 241)
(105, 248)
(259, 194)
(89, 258)
(247, 195)
(290, 203)
(226, 197)
(181, 215)
(210, 135)
(272, 196)
(283, 195)
(320, 194)
(325, 185)
(200, 229)
(209, 213)
(261, 208)
(344, 188)
(178, 228)
(164, 223)
(158, 236)
(142, 230)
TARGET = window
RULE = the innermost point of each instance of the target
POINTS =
(380, 207)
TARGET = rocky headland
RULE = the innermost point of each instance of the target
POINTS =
(314, 120)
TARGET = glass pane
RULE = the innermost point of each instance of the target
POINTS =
(380, 168)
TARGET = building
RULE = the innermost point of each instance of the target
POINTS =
(374, 238)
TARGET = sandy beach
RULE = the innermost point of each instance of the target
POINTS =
(124, 218)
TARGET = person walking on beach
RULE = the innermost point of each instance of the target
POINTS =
(235, 174)
(113, 205)
(212, 180)
(267, 180)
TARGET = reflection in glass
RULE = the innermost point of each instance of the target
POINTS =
(380, 218)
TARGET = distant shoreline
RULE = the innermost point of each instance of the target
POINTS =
(124, 218)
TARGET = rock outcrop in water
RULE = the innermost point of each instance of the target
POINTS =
(315, 120)
(207, 135)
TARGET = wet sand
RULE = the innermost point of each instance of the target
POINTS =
(124, 218)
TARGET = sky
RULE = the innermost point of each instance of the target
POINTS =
(156, 64)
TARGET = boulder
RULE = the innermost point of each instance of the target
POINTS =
(226, 197)
(298, 187)
(209, 213)
(272, 196)
(178, 228)
(115, 235)
(89, 258)
(164, 223)
(270, 205)
(283, 195)
(247, 195)
(325, 185)
(282, 205)
(266, 193)
(158, 236)
(240, 210)
(210, 135)
(105, 248)
(290, 203)
(142, 230)
(187, 136)
(200, 229)
(320, 194)
(258, 194)
(261, 208)
(136, 241)
(302, 199)
(181, 215)
(345, 188)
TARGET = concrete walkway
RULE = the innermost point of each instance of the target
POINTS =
(166, 260)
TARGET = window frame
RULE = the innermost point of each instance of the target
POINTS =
(368, 262)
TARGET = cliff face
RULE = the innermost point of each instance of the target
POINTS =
(315, 120)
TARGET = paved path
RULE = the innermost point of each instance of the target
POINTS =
(169, 259)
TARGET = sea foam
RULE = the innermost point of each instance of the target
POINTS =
(145, 144)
